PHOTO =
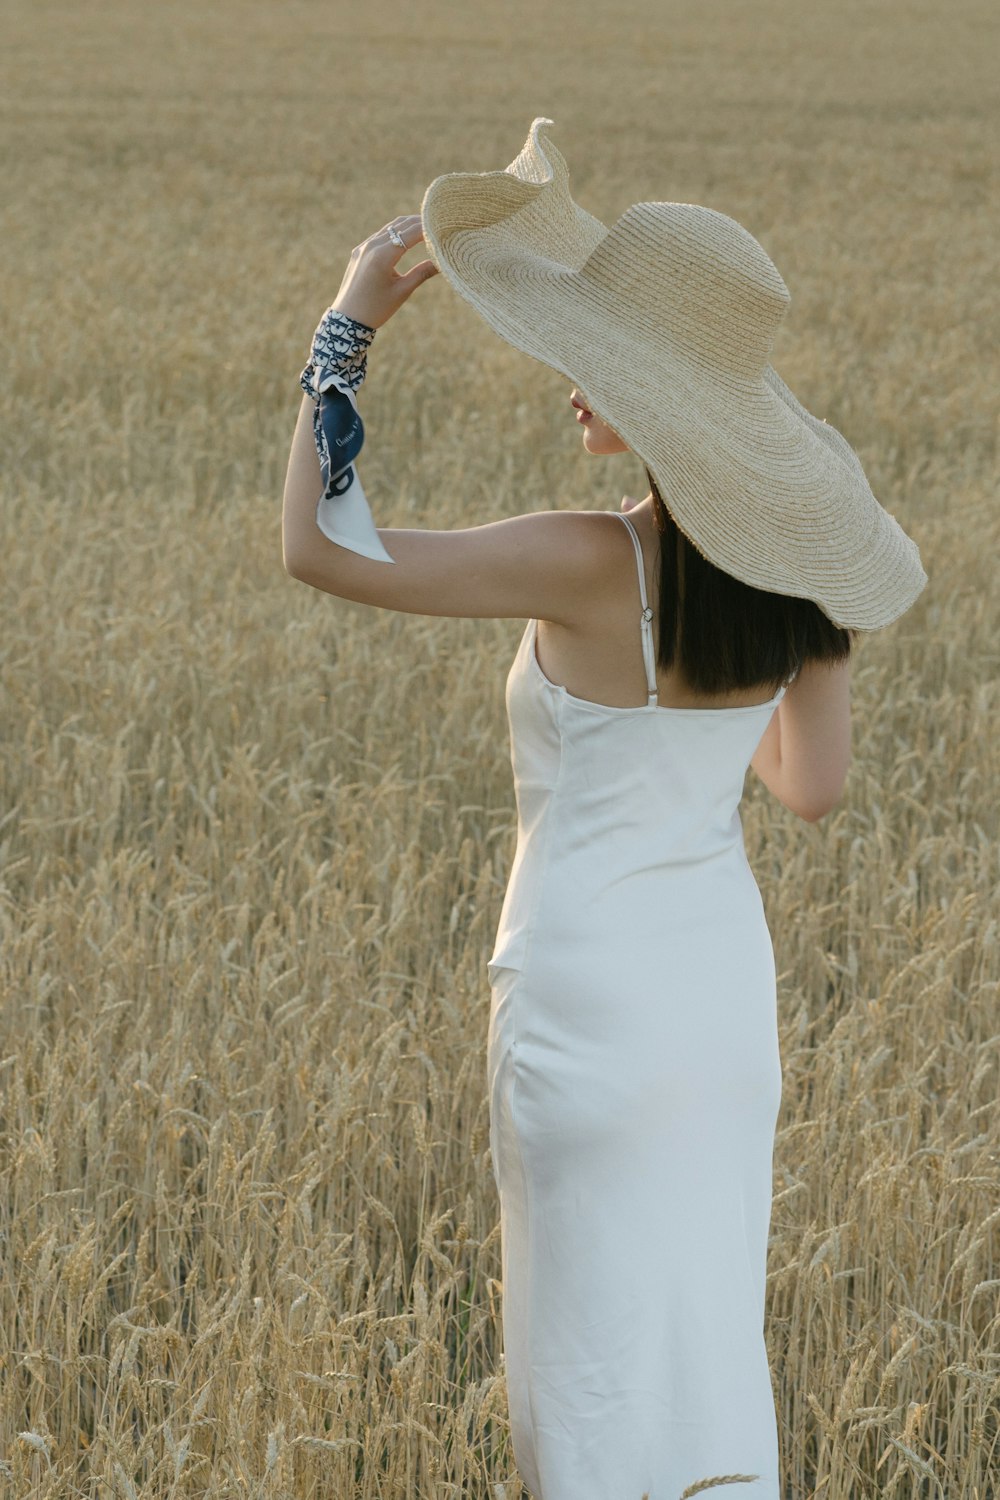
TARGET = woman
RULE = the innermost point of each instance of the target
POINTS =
(633, 1064)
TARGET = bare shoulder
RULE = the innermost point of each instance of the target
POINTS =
(585, 529)
(592, 533)
(581, 547)
(575, 542)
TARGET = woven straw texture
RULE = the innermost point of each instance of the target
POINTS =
(665, 323)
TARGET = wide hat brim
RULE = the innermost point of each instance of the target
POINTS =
(664, 323)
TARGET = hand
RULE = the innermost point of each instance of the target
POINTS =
(372, 290)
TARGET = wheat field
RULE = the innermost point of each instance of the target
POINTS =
(254, 840)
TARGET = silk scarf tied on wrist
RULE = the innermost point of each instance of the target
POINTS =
(335, 371)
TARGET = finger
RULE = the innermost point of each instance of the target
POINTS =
(400, 224)
(409, 228)
(420, 273)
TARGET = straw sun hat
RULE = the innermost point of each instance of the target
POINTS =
(665, 323)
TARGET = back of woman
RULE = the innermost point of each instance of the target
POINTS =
(632, 1045)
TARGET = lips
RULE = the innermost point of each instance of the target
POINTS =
(583, 413)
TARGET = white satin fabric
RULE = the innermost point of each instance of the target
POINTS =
(634, 1084)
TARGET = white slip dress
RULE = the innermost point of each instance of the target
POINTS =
(634, 1084)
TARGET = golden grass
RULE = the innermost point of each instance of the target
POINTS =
(254, 840)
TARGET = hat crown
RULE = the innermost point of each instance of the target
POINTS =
(696, 276)
(501, 217)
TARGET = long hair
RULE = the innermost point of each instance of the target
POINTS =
(725, 635)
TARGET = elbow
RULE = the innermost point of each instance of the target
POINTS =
(812, 785)
(295, 562)
(818, 807)
(816, 811)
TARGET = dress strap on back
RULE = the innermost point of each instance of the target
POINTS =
(648, 651)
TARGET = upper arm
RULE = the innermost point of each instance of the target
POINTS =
(543, 565)
(805, 752)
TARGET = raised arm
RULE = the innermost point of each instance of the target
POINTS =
(551, 564)
(806, 749)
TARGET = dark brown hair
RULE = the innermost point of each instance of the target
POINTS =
(725, 635)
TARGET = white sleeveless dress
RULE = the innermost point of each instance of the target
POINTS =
(634, 1084)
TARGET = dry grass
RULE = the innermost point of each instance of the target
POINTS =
(254, 840)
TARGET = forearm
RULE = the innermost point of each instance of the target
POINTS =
(301, 538)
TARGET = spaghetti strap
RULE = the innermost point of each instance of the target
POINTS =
(646, 623)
